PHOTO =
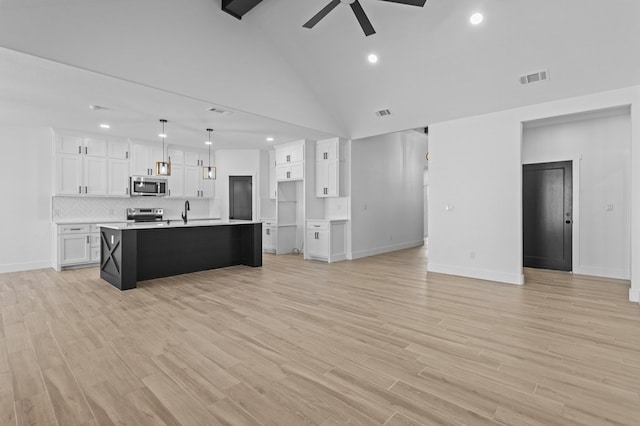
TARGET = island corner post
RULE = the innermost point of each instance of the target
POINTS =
(132, 254)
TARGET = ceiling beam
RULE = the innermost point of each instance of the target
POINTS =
(237, 8)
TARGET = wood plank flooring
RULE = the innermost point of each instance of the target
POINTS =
(369, 342)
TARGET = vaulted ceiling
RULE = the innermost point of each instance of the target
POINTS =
(433, 65)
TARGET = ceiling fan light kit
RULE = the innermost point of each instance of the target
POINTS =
(356, 7)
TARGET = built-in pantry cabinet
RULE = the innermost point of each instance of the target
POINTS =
(89, 166)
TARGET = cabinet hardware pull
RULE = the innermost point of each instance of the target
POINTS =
(86, 150)
(79, 149)
(288, 158)
(86, 190)
(288, 175)
(126, 155)
(75, 229)
(126, 191)
(87, 239)
(80, 190)
(326, 155)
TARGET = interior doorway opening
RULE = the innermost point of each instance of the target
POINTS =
(240, 198)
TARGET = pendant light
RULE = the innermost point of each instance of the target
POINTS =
(209, 172)
(163, 168)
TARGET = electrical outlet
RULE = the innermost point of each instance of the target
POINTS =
(608, 207)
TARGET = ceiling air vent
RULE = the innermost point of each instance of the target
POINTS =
(218, 111)
(383, 113)
(536, 76)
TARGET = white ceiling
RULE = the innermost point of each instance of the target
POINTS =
(434, 65)
(38, 92)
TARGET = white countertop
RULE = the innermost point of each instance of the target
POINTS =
(112, 221)
(175, 224)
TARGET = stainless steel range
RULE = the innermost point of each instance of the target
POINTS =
(145, 215)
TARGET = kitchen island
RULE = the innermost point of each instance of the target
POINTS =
(135, 252)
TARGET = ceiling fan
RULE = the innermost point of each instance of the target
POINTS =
(358, 11)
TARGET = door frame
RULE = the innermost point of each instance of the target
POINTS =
(575, 236)
(250, 197)
(254, 193)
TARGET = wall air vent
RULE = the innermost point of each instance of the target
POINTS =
(535, 77)
(383, 113)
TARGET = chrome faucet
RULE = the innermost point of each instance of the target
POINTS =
(186, 209)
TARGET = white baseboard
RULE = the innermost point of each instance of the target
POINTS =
(595, 271)
(634, 295)
(29, 266)
(385, 249)
(481, 274)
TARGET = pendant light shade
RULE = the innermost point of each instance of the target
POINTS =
(163, 168)
(209, 172)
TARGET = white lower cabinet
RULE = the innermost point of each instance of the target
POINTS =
(77, 244)
(326, 240)
(269, 236)
(73, 249)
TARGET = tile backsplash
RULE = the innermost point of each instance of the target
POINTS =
(104, 208)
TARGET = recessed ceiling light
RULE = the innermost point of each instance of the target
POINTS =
(162, 135)
(105, 126)
(208, 142)
(372, 58)
(270, 139)
(476, 18)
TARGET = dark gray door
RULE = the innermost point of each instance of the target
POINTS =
(547, 215)
(240, 206)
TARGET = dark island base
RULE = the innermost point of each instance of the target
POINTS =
(132, 255)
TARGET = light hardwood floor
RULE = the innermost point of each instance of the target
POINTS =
(373, 341)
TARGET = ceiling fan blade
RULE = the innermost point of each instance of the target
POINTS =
(362, 18)
(419, 3)
(318, 16)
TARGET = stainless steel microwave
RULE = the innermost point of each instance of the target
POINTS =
(151, 186)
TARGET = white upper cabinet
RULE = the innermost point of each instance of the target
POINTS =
(292, 152)
(95, 176)
(69, 177)
(79, 145)
(118, 150)
(95, 147)
(67, 144)
(273, 183)
(117, 178)
(191, 181)
(330, 174)
(81, 165)
(193, 158)
(144, 158)
(186, 173)
(175, 156)
(290, 161)
(176, 181)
